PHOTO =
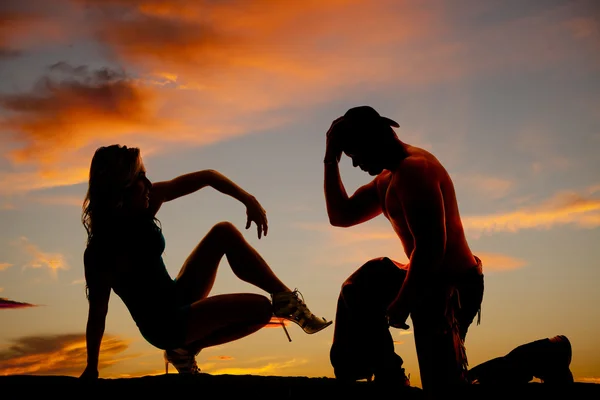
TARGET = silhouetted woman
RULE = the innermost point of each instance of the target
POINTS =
(124, 253)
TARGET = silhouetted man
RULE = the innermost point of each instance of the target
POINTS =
(441, 287)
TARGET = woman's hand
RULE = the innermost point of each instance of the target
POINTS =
(89, 374)
(256, 213)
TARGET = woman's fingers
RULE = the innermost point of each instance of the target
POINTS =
(258, 215)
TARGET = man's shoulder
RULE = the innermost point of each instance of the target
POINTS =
(416, 165)
(416, 172)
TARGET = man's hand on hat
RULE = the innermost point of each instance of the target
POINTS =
(333, 150)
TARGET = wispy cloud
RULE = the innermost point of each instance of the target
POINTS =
(41, 259)
(4, 266)
(401, 332)
(489, 187)
(565, 208)
(7, 304)
(37, 178)
(542, 151)
(222, 358)
(359, 244)
(271, 368)
(58, 355)
(353, 246)
(499, 262)
(588, 380)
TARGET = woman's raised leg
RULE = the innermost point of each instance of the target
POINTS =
(224, 318)
(197, 276)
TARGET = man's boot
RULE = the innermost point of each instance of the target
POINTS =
(546, 359)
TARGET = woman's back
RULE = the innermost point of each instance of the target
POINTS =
(129, 259)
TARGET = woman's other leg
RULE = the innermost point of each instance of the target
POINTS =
(224, 318)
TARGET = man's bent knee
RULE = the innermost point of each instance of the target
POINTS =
(373, 269)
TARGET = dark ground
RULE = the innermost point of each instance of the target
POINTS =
(252, 386)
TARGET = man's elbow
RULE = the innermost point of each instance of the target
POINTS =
(338, 221)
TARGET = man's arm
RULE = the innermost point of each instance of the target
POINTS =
(418, 189)
(98, 297)
(345, 211)
(342, 210)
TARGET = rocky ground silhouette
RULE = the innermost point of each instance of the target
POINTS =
(252, 386)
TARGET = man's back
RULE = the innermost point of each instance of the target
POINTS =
(423, 167)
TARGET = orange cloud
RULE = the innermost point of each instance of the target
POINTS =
(11, 304)
(260, 56)
(272, 368)
(566, 208)
(22, 28)
(224, 69)
(70, 112)
(499, 262)
(588, 380)
(4, 266)
(57, 355)
(25, 181)
(53, 126)
(266, 50)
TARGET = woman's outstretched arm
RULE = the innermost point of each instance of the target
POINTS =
(189, 183)
(194, 181)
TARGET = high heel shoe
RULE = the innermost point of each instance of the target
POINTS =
(183, 360)
(291, 306)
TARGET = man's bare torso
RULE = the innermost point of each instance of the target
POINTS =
(458, 257)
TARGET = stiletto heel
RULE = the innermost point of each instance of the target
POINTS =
(284, 329)
(183, 360)
(291, 306)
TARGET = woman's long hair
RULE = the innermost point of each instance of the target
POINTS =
(113, 169)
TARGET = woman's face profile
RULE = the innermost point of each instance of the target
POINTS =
(139, 191)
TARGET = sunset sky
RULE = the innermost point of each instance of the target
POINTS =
(505, 93)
